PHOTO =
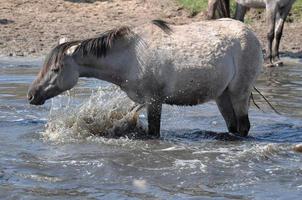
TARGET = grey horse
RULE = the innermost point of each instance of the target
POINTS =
(276, 13)
(159, 64)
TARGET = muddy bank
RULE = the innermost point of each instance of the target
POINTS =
(30, 27)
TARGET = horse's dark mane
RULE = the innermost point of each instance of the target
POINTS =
(100, 45)
(97, 46)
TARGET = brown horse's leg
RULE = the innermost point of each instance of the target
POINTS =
(240, 12)
(220, 8)
(280, 19)
(212, 6)
(154, 115)
(226, 109)
(227, 8)
(224, 8)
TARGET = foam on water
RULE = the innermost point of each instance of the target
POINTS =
(191, 164)
(40, 177)
(108, 113)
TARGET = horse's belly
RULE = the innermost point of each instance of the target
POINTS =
(187, 100)
(193, 95)
(252, 3)
(192, 86)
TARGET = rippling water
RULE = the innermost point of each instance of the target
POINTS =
(51, 152)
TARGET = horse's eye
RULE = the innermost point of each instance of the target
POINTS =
(56, 70)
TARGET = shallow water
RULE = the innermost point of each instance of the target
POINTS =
(194, 159)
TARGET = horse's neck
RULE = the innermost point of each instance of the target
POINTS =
(94, 71)
(117, 67)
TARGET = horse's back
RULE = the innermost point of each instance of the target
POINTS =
(205, 45)
(197, 61)
(204, 42)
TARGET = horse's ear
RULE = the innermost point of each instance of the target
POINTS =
(71, 49)
(62, 40)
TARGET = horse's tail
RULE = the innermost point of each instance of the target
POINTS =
(252, 98)
(270, 105)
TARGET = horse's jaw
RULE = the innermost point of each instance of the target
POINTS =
(98, 73)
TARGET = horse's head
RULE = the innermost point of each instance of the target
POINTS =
(58, 74)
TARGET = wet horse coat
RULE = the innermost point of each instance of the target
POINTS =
(177, 65)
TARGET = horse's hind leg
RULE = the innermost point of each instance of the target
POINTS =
(270, 20)
(241, 103)
(281, 15)
(226, 108)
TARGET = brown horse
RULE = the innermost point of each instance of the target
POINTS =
(221, 7)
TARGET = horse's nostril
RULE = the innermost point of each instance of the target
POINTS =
(30, 97)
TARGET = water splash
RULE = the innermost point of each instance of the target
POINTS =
(108, 113)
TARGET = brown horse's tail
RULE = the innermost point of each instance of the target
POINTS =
(270, 105)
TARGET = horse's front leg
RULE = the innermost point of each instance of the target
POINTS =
(212, 7)
(154, 116)
(227, 8)
(224, 8)
(280, 19)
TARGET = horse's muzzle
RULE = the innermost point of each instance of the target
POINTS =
(35, 99)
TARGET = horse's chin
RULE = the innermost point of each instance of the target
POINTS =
(37, 103)
(40, 98)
